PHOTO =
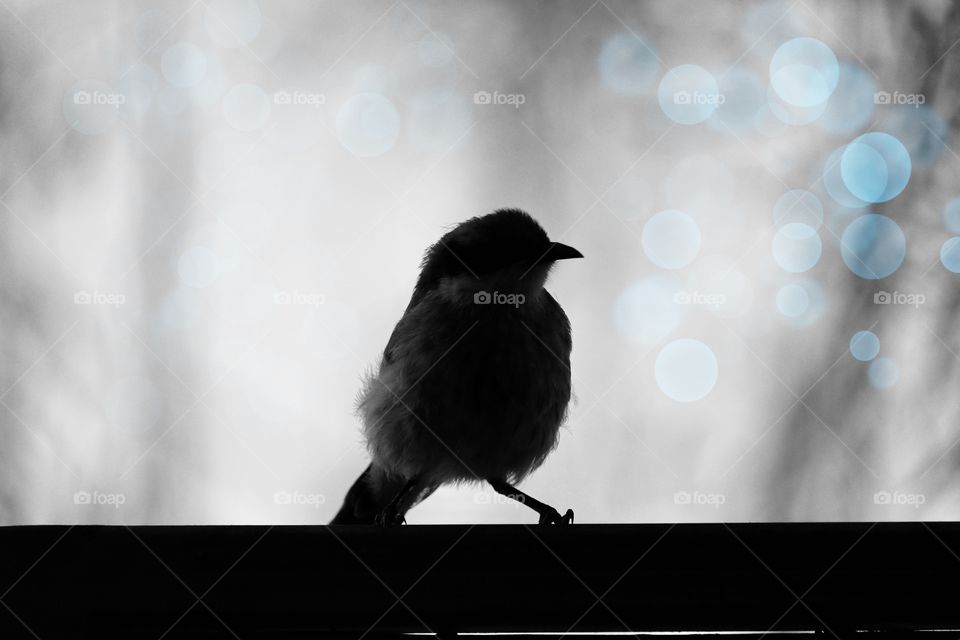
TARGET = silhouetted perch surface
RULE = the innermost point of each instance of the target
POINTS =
(342, 581)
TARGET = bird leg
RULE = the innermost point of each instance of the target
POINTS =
(548, 515)
(393, 514)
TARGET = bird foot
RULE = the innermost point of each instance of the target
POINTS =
(389, 518)
(553, 517)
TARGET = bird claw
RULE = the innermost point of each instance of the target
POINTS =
(553, 517)
(389, 518)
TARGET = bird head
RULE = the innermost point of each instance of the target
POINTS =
(506, 250)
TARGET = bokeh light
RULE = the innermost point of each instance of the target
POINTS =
(792, 114)
(804, 72)
(671, 239)
(328, 159)
(628, 64)
(793, 300)
(211, 89)
(950, 254)
(743, 97)
(951, 215)
(875, 167)
(865, 345)
(686, 370)
(184, 65)
(645, 312)
(801, 302)
(689, 94)
(883, 373)
(852, 105)
(139, 84)
(833, 181)
(368, 125)
(798, 205)
(796, 247)
(873, 246)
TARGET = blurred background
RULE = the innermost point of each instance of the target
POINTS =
(213, 213)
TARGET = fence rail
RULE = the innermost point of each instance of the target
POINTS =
(331, 582)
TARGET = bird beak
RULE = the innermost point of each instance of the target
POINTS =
(558, 251)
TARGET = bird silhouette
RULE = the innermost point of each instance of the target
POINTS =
(474, 382)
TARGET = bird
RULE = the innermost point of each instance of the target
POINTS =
(475, 381)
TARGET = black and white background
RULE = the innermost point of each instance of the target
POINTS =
(213, 211)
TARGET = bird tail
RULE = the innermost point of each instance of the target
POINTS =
(368, 496)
